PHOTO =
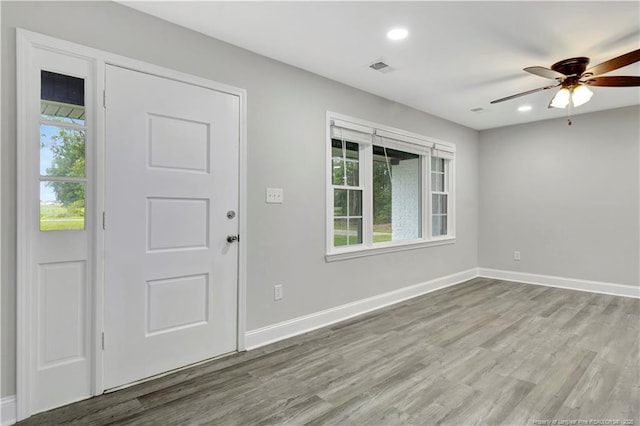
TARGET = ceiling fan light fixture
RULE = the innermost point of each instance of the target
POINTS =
(580, 95)
(561, 99)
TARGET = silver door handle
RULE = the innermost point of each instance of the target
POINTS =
(231, 238)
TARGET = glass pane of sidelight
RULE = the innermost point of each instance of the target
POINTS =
(61, 151)
(61, 206)
(62, 98)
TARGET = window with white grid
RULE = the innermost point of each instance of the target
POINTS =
(387, 189)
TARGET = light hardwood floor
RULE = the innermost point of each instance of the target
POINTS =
(482, 352)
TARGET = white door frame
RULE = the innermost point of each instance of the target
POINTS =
(26, 42)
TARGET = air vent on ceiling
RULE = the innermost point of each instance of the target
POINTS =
(477, 109)
(381, 67)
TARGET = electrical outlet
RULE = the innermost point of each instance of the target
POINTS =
(274, 196)
(277, 292)
(516, 255)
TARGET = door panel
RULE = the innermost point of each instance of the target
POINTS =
(172, 174)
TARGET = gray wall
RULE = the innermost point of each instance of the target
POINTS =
(286, 137)
(566, 197)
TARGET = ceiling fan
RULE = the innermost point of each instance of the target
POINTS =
(574, 77)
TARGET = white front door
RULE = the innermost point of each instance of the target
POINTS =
(171, 276)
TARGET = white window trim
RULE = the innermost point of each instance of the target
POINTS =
(366, 134)
(449, 175)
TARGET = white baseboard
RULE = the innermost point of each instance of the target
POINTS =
(8, 410)
(304, 324)
(293, 327)
(561, 282)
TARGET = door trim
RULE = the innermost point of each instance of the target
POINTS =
(26, 42)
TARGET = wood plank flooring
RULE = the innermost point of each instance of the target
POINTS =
(482, 352)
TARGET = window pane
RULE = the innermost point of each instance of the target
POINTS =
(355, 231)
(439, 225)
(396, 195)
(347, 232)
(381, 202)
(353, 173)
(340, 202)
(62, 98)
(61, 151)
(346, 167)
(437, 182)
(439, 204)
(340, 232)
(437, 164)
(61, 206)
(337, 171)
(57, 119)
(352, 177)
(351, 149)
(355, 203)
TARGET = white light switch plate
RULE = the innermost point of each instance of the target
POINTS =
(275, 196)
(277, 292)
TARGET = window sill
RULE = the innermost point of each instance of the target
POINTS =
(372, 251)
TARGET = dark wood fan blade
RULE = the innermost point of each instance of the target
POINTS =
(615, 63)
(614, 81)
(525, 93)
(546, 73)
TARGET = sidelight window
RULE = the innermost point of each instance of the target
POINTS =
(63, 131)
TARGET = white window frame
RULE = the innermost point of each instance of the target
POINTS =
(367, 134)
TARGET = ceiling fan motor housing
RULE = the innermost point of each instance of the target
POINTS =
(572, 68)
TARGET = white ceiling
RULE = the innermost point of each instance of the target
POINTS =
(458, 56)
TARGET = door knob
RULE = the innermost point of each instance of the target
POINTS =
(231, 238)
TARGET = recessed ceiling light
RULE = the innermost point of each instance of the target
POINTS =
(397, 34)
(524, 108)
